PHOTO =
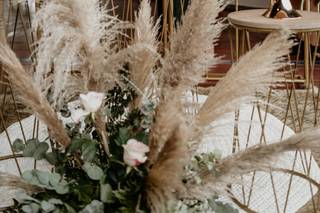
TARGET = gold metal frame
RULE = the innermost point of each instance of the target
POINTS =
(293, 111)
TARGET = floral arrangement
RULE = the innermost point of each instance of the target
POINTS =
(130, 144)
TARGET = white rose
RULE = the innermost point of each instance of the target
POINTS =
(135, 153)
(92, 101)
(78, 114)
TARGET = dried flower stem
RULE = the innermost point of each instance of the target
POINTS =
(31, 96)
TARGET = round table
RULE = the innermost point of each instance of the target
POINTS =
(253, 21)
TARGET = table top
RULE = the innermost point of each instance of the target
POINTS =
(255, 21)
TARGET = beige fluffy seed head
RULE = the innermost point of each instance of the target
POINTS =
(31, 96)
(191, 50)
(183, 66)
(77, 39)
(14, 182)
(259, 157)
(255, 71)
(141, 67)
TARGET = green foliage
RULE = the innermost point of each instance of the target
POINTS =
(210, 205)
(85, 179)
(48, 180)
(33, 148)
(18, 145)
(93, 171)
(94, 207)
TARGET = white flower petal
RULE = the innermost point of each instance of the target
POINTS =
(78, 114)
(92, 101)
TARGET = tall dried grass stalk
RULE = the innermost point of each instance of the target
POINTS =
(141, 69)
(191, 53)
(2, 23)
(31, 96)
(77, 38)
(259, 157)
(255, 71)
(168, 119)
(164, 183)
(14, 182)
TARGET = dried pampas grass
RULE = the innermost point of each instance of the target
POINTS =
(76, 38)
(254, 72)
(259, 157)
(191, 50)
(141, 69)
(164, 183)
(14, 182)
(183, 65)
(167, 120)
(31, 96)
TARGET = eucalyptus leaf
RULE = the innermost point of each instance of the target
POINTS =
(22, 197)
(31, 177)
(30, 148)
(43, 177)
(55, 201)
(61, 188)
(40, 151)
(46, 206)
(75, 145)
(106, 194)
(94, 207)
(55, 179)
(31, 208)
(93, 171)
(220, 207)
(88, 150)
(69, 208)
(123, 136)
(52, 158)
(18, 145)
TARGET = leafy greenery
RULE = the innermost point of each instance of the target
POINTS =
(84, 179)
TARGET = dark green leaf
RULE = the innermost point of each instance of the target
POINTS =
(123, 136)
(18, 145)
(30, 148)
(88, 150)
(52, 158)
(40, 151)
(75, 145)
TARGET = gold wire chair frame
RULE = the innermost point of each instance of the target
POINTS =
(242, 40)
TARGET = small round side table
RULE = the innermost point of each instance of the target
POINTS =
(253, 21)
